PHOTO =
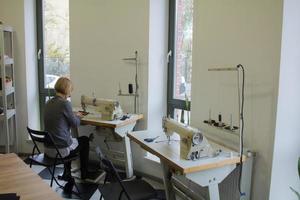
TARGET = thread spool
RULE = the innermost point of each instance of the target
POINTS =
(220, 123)
(130, 88)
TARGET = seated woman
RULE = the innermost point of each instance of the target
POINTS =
(58, 120)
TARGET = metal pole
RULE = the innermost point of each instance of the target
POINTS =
(240, 117)
(136, 84)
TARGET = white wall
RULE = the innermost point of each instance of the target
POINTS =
(287, 137)
(157, 78)
(228, 33)
(157, 72)
(104, 32)
(31, 65)
(12, 12)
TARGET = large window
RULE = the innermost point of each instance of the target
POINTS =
(180, 59)
(53, 45)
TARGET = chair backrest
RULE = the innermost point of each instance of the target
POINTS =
(99, 153)
(116, 175)
(41, 137)
(110, 168)
(113, 171)
(101, 157)
(37, 137)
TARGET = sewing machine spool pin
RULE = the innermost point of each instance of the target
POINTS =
(120, 90)
(136, 92)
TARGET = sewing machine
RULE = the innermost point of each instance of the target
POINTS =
(207, 172)
(107, 117)
(193, 144)
(105, 109)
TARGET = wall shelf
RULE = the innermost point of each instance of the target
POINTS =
(8, 91)
(223, 129)
(128, 95)
(8, 61)
(8, 134)
(9, 114)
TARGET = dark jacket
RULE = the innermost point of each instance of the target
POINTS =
(58, 119)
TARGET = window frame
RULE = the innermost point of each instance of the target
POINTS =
(43, 92)
(173, 103)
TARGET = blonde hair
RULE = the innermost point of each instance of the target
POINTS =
(64, 86)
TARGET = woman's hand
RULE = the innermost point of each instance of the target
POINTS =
(79, 114)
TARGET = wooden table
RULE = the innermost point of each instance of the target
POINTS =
(205, 172)
(17, 177)
(133, 118)
(120, 128)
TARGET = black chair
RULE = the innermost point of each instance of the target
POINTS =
(136, 189)
(40, 158)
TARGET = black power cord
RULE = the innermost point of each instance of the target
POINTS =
(239, 66)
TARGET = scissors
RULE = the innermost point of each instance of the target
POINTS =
(150, 139)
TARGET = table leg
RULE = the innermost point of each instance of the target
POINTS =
(167, 175)
(6, 130)
(128, 157)
(211, 178)
(213, 190)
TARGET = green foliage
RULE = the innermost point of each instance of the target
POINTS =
(188, 15)
(184, 37)
(57, 60)
(54, 51)
(56, 28)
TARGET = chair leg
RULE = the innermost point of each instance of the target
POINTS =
(120, 196)
(30, 164)
(52, 177)
(105, 179)
(77, 190)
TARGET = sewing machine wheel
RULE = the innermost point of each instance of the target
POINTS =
(197, 138)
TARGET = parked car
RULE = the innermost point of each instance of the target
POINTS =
(50, 80)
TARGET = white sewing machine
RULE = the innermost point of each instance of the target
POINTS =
(104, 109)
(193, 144)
